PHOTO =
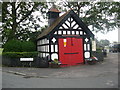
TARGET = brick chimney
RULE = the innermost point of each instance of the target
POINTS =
(53, 14)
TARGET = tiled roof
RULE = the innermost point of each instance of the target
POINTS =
(50, 28)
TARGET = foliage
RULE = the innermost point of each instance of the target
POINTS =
(55, 61)
(19, 20)
(104, 42)
(99, 50)
(1, 49)
(101, 16)
(28, 46)
(20, 54)
(12, 46)
(19, 46)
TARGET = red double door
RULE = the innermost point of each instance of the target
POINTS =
(70, 51)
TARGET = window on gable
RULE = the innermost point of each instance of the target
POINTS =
(59, 32)
(77, 32)
(64, 32)
(68, 32)
(81, 32)
(73, 32)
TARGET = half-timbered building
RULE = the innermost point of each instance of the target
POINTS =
(67, 39)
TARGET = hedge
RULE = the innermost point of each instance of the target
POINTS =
(28, 46)
(19, 46)
(12, 46)
(20, 54)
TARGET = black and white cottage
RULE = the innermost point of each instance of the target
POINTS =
(67, 39)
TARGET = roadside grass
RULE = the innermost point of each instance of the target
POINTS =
(1, 49)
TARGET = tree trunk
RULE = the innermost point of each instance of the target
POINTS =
(14, 25)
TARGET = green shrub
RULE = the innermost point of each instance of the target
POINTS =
(28, 46)
(19, 46)
(12, 46)
(98, 50)
(20, 54)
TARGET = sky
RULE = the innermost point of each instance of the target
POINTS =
(111, 36)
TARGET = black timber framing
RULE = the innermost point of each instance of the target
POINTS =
(77, 19)
(82, 24)
(57, 27)
(43, 44)
(70, 30)
(73, 17)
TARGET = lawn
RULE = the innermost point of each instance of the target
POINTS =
(1, 49)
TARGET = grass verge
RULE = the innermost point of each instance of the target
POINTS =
(1, 49)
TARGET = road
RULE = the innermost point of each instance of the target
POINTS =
(101, 75)
(15, 81)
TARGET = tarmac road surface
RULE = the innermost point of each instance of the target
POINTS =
(101, 75)
(15, 81)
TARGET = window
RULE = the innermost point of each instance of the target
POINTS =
(54, 56)
(87, 54)
(73, 32)
(85, 47)
(56, 48)
(77, 32)
(88, 46)
(44, 55)
(68, 32)
(64, 32)
(59, 32)
(52, 48)
(81, 32)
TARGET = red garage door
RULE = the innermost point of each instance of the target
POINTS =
(70, 51)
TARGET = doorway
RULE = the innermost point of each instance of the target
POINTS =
(70, 51)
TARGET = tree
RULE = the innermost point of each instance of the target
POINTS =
(104, 42)
(18, 19)
(101, 16)
(0, 22)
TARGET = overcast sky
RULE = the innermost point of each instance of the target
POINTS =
(111, 36)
